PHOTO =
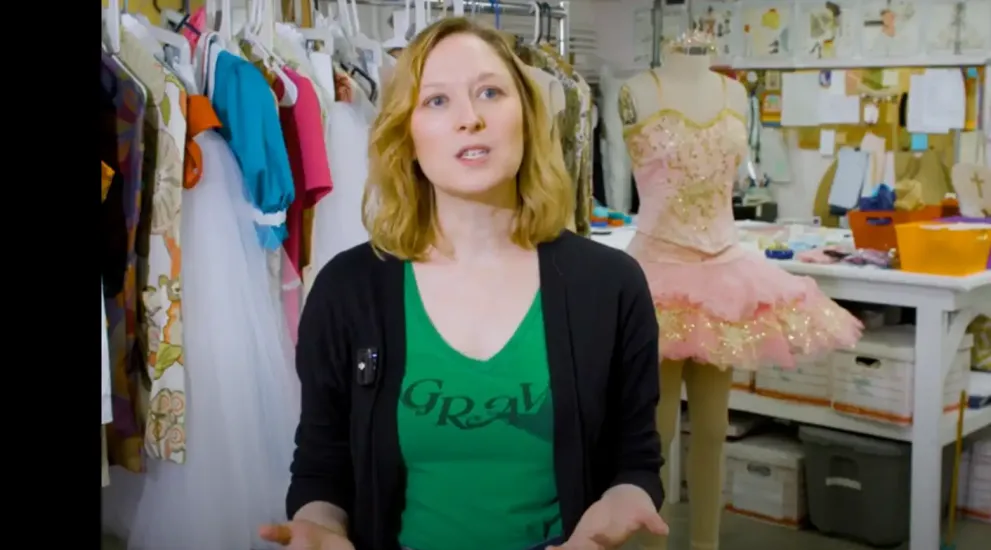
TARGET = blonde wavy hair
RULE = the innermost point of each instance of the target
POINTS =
(398, 207)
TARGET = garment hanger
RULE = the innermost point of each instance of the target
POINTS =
(171, 49)
(372, 83)
(173, 18)
(400, 30)
(224, 28)
(358, 38)
(344, 50)
(111, 22)
(362, 42)
(257, 16)
(211, 43)
(548, 19)
(537, 27)
(173, 39)
(322, 35)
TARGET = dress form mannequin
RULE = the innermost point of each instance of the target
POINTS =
(719, 306)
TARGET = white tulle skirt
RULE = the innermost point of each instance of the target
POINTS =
(243, 397)
(337, 224)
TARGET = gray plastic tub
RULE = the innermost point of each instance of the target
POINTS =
(859, 487)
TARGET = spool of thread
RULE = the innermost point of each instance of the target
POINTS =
(779, 253)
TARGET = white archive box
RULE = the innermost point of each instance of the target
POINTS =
(978, 491)
(765, 479)
(875, 380)
(809, 382)
(740, 424)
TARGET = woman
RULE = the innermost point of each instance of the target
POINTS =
(433, 417)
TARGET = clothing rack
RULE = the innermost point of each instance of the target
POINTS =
(559, 12)
(656, 24)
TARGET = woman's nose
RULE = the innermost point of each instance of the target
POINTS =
(469, 119)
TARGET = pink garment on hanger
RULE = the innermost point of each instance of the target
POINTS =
(196, 21)
(302, 128)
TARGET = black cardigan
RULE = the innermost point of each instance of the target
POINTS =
(602, 348)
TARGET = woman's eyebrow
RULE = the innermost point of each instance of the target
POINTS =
(487, 75)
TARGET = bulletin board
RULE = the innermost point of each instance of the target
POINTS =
(882, 87)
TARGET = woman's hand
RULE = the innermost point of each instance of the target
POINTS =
(301, 534)
(607, 524)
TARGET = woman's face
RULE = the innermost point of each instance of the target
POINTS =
(467, 126)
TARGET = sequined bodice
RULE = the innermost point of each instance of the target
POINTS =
(684, 172)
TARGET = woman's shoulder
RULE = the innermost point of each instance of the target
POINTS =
(349, 271)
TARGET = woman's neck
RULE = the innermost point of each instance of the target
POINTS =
(473, 230)
(685, 66)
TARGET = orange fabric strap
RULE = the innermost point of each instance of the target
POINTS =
(108, 178)
(200, 118)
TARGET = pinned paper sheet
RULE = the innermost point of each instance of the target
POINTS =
(800, 93)
(827, 142)
(889, 78)
(838, 108)
(774, 160)
(871, 113)
(936, 102)
(837, 82)
(920, 142)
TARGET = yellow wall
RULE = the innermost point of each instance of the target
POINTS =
(147, 8)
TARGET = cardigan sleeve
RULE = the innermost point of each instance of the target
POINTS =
(321, 468)
(638, 457)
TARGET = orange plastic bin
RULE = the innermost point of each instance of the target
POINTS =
(876, 230)
(938, 248)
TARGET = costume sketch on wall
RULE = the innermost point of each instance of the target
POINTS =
(827, 30)
(958, 27)
(891, 28)
(767, 30)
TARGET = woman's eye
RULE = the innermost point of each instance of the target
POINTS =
(435, 101)
(490, 93)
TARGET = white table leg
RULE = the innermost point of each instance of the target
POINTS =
(673, 482)
(930, 338)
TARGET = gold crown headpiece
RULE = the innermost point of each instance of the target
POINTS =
(694, 42)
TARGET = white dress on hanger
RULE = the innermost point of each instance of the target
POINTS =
(337, 224)
(243, 391)
(617, 169)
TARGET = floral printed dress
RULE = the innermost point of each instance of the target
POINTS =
(160, 253)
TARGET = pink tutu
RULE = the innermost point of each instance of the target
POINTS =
(742, 311)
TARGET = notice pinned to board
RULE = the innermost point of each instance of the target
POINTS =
(839, 109)
(920, 142)
(827, 142)
(890, 78)
(800, 99)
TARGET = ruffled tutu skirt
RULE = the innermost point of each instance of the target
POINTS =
(741, 311)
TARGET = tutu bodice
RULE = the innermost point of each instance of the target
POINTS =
(684, 172)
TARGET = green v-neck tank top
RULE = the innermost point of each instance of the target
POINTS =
(477, 438)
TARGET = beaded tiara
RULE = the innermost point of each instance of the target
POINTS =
(695, 42)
